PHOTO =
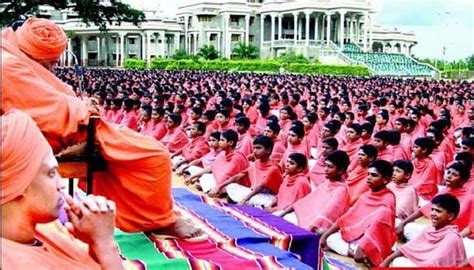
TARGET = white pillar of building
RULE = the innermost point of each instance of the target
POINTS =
(280, 26)
(208, 38)
(351, 29)
(98, 40)
(247, 29)
(341, 28)
(219, 43)
(186, 38)
(316, 27)
(262, 29)
(357, 30)
(143, 53)
(195, 43)
(300, 29)
(148, 47)
(272, 28)
(295, 32)
(226, 35)
(308, 14)
(366, 29)
(122, 49)
(117, 50)
(370, 33)
(328, 28)
(69, 48)
(84, 50)
(175, 43)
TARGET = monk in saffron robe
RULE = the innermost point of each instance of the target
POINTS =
(439, 245)
(367, 230)
(321, 208)
(264, 177)
(227, 164)
(405, 194)
(175, 137)
(356, 178)
(195, 149)
(138, 178)
(425, 175)
(279, 147)
(32, 198)
(295, 184)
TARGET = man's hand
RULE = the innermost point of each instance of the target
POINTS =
(91, 220)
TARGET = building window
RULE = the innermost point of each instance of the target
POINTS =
(251, 38)
(204, 18)
(131, 41)
(235, 38)
(234, 19)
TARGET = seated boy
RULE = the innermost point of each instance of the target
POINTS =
(367, 231)
(356, 177)
(425, 175)
(405, 194)
(353, 140)
(295, 183)
(295, 144)
(264, 176)
(381, 141)
(195, 149)
(175, 137)
(321, 208)
(227, 164)
(439, 245)
(244, 145)
(279, 147)
(317, 175)
(455, 177)
(398, 151)
(205, 161)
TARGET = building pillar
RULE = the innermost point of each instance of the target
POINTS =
(316, 27)
(272, 28)
(351, 29)
(69, 48)
(122, 49)
(195, 43)
(308, 14)
(144, 42)
(357, 30)
(370, 33)
(247, 29)
(148, 47)
(366, 29)
(186, 40)
(328, 28)
(117, 50)
(341, 32)
(300, 28)
(98, 40)
(295, 32)
(226, 35)
(280, 26)
(219, 43)
(84, 53)
(176, 42)
(262, 29)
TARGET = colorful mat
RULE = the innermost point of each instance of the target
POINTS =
(239, 238)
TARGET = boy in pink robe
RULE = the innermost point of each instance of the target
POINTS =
(279, 147)
(437, 155)
(227, 164)
(244, 145)
(317, 174)
(425, 174)
(356, 178)
(197, 165)
(405, 194)
(367, 231)
(397, 149)
(175, 137)
(405, 139)
(130, 118)
(295, 184)
(439, 245)
(195, 149)
(381, 141)
(353, 140)
(295, 144)
(321, 208)
(159, 124)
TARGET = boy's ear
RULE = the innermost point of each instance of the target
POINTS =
(451, 216)
(408, 175)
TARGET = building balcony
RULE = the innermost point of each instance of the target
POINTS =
(291, 43)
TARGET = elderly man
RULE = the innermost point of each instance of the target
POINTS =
(31, 196)
(138, 177)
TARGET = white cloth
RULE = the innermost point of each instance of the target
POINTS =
(402, 262)
(468, 246)
(397, 222)
(337, 244)
(412, 229)
(193, 170)
(207, 182)
(313, 186)
(292, 218)
(313, 151)
(238, 192)
(422, 202)
(177, 159)
(311, 164)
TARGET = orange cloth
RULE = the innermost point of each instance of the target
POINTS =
(265, 173)
(19, 165)
(138, 178)
(322, 207)
(425, 178)
(293, 188)
(41, 39)
(371, 222)
(59, 251)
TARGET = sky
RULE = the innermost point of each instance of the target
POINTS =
(437, 24)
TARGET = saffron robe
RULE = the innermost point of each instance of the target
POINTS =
(138, 177)
(130, 120)
(322, 207)
(356, 182)
(424, 178)
(371, 222)
(278, 151)
(351, 148)
(293, 188)
(244, 144)
(436, 248)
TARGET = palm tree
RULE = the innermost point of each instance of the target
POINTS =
(243, 51)
(208, 52)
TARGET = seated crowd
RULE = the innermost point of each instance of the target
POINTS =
(356, 161)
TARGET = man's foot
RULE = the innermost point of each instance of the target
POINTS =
(181, 229)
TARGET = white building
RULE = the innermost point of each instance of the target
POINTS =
(315, 28)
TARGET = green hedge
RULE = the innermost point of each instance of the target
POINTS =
(256, 66)
(134, 63)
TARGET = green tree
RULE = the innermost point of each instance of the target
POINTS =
(290, 56)
(470, 62)
(180, 55)
(208, 52)
(242, 51)
(90, 11)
